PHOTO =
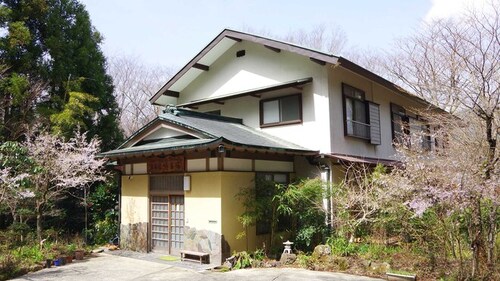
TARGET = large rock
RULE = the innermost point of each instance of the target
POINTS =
(287, 258)
(380, 267)
(322, 250)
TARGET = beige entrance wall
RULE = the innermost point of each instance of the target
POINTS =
(134, 212)
(211, 214)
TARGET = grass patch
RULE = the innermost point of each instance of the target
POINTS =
(169, 258)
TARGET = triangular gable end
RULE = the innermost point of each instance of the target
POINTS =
(160, 129)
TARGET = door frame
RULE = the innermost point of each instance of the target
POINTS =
(150, 228)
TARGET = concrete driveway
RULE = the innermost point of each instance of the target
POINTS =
(112, 267)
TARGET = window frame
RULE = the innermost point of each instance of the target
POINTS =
(365, 107)
(280, 123)
(405, 123)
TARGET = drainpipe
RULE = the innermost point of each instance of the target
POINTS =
(119, 182)
(329, 199)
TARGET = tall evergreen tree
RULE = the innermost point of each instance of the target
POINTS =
(54, 43)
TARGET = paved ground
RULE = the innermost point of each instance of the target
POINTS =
(114, 267)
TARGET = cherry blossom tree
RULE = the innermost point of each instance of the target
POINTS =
(455, 64)
(60, 167)
(452, 177)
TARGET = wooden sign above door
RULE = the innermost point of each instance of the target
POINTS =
(169, 164)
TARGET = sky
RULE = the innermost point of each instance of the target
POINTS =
(169, 33)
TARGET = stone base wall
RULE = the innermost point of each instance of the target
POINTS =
(205, 241)
(134, 236)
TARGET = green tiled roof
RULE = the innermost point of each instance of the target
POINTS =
(214, 129)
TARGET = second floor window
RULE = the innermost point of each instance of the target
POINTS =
(355, 112)
(409, 130)
(281, 111)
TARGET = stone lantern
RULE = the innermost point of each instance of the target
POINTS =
(288, 247)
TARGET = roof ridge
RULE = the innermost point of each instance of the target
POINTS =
(273, 37)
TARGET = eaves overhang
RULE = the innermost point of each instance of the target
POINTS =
(227, 38)
(349, 159)
(218, 46)
(198, 145)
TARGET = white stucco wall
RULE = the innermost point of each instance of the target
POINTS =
(322, 113)
(262, 67)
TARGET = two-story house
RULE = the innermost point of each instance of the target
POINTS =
(248, 106)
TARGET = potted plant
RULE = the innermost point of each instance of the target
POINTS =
(79, 254)
(397, 275)
(62, 259)
(70, 251)
(49, 258)
(79, 248)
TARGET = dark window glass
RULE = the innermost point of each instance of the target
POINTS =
(282, 110)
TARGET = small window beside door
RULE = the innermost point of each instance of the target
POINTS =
(409, 130)
(281, 111)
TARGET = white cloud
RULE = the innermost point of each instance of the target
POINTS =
(441, 9)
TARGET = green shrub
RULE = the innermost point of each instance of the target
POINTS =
(303, 260)
(29, 254)
(377, 251)
(244, 259)
(10, 267)
(341, 247)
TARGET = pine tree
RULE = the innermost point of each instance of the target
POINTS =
(53, 43)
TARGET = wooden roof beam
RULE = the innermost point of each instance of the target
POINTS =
(274, 49)
(201, 66)
(171, 94)
(320, 62)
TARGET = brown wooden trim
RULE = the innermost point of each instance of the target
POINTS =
(320, 62)
(274, 49)
(260, 156)
(256, 95)
(234, 38)
(201, 66)
(220, 162)
(281, 124)
(219, 102)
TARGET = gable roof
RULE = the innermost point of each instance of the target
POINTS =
(212, 130)
(227, 38)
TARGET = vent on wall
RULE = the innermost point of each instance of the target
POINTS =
(240, 53)
(167, 183)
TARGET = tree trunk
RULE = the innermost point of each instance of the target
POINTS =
(39, 224)
(490, 240)
(476, 237)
